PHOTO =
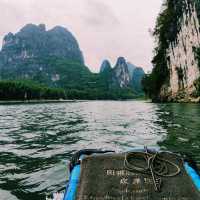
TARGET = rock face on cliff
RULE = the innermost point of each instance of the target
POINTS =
(123, 75)
(34, 52)
(182, 62)
(177, 58)
(34, 41)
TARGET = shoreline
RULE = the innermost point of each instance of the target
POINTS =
(10, 102)
(14, 102)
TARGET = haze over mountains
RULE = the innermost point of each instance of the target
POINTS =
(53, 57)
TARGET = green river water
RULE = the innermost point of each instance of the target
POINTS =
(37, 140)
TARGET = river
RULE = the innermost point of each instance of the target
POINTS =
(37, 140)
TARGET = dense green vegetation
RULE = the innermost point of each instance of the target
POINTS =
(197, 82)
(97, 94)
(197, 55)
(197, 85)
(167, 27)
(43, 69)
(75, 79)
(27, 90)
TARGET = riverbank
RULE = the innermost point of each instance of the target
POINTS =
(37, 101)
(10, 102)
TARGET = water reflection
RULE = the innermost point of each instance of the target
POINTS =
(182, 122)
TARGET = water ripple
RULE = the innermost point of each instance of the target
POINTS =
(36, 141)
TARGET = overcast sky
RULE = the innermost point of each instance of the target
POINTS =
(103, 28)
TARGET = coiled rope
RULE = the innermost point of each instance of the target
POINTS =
(154, 165)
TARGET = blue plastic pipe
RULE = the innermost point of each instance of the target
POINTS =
(73, 183)
(193, 174)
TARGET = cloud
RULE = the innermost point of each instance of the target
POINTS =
(99, 14)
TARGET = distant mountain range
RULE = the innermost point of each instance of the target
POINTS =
(53, 58)
(124, 74)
